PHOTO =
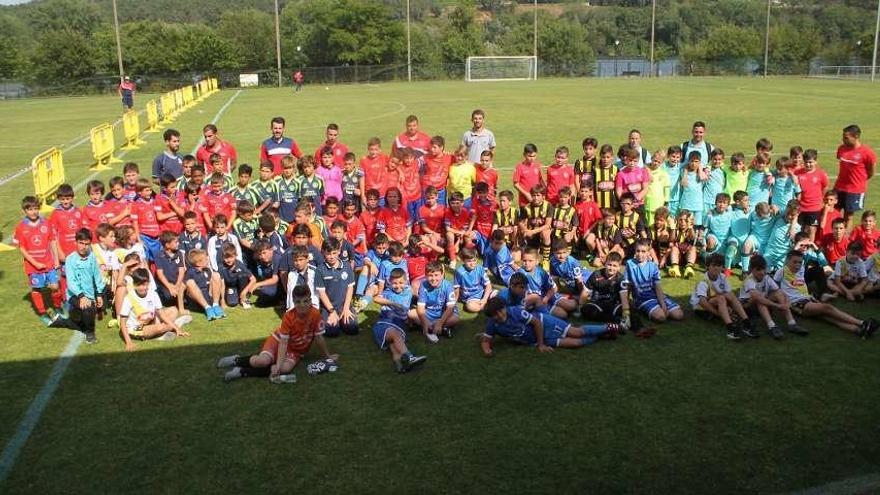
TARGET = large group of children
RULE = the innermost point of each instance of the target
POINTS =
(322, 237)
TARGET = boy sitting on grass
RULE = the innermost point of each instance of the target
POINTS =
(282, 350)
(714, 295)
(850, 277)
(142, 316)
(394, 316)
(643, 278)
(436, 308)
(760, 295)
(537, 329)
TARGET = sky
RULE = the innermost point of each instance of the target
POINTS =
(12, 2)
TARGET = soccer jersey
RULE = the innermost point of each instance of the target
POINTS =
(418, 142)
(83, 276)
(461, 179)
(564, 219)
(410, 189)
(527, 176)
(246, 229)
(173, 222)
(765, 286)
(139, 311)
(394, 223)
(95, 214)
(568, 271)
(299, 330)
(633, 180)
(779, 242)
(417, 263)
(65, 223)
(604, 289)
(484, 216)
(658, 186)
(435, 300)
(223, 148)
(538, 281)
(396, 315)
(642, 279)
(761, 227)
(143, 212)
(854, 165)
(167, 263)
(489, 176)
(868, 240)
(332, 178)
(792, 284)
(436, 170)
(457, 221)
(584, 169)
(500, 263)
(247, 194)
(783, 190)
(431, 217)
(587, 214)
(740, 224)
(355, 233)
(215, 243)
(632, 227)
(834, 249)
(849, 273)
(370, 219)
(351, 185)
(708, 288)
(559, 176)
(335, 281)
(265, 191)
(374, 169)
(387, 265)
(311, 187)
(471, 284)
(274, 150)
(758, 188)
(338, 150)
(609, 233)
(509, 298)
(736, 181)
(213, 204)
(691, 194)
(517, 327)
(813, 185)
(603, 189)
(264, 271)
(188, 242)
(35, 238)
(718, 224)
(536, 215)
(716, 181)
(506, 221)
(167, 163)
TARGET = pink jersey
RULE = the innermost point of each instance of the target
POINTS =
(332, 181)
(633, 180)
(339, 151)
(65, 224)
(35, 238)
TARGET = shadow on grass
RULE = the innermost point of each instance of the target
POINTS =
(683, 412)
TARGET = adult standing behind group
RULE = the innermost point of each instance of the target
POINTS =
(478, 139)
(413, 138)
(213, 144)
(856, 167)
(635, 142)
(331, 140)
(169, 161)
(697, 143)
(277, 146)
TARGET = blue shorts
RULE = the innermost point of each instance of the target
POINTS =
(152, 246)
(648, 305)
(555, 329)
(43, 279)
(381, 329)
(441, 196)
(850, 202)
(468, 202)
(412, 208)
(358, 259)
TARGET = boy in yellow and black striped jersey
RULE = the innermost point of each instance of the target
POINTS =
(506, 219)
(565, 219)
(535, 221)
(605, 238)
(585, 167)
(604, 177)
(630, 222)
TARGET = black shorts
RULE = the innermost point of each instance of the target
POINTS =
(850, 202)
(809, 218)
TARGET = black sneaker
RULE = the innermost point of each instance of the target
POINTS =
(415, 361)
(776, 333)
(748, 329)
(797, 330)
(733, 332)
(91, 338)
(872, 326)
(867, 328)
(446, 332)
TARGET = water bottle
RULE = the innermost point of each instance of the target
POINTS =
(281, 379)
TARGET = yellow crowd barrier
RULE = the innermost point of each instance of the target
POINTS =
(48, 171)
(178, 101)
(203, 89)
(167, 101)
(152, 117)
(131, 128)
(187, 95)
(103, 145)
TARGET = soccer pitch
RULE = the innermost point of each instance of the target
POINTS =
(685, 411)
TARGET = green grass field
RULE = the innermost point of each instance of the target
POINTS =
(686, 411)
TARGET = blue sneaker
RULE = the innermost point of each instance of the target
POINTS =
(210, 314)
(218, 312)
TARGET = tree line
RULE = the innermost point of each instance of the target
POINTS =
(55, 42)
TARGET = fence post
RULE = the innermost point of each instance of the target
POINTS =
(48, 173)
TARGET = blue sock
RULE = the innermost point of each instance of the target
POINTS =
(595, 329)
(744, 262)
(587, 340)
(729, 255)
(361, 284)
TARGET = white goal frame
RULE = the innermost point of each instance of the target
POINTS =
(531, 76)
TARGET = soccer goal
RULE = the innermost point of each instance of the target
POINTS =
(501, 69)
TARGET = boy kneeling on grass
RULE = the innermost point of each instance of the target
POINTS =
(542, 330)
(394, 316)
(282, 350)
(713, 295)
(142, 316)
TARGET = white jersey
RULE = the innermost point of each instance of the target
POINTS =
(792, 284)
(138, 310)
(849, 273)
(766, 286)
(872, 266)
(709, 288)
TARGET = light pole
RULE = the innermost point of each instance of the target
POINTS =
(408, 47)
(535, 33)
(767, 39)
(653, 22)
(616, 45)
(876, 39)
(278, 43)
(118, 43)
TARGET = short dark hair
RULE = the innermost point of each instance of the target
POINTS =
(170, 133)
(83, 234)
(493, 306)
(140, 276)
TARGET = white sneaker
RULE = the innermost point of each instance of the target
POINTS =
(167, 337)
(432, 338)
(227, 361)
(233, 374)
(246, 305)
(183, 320)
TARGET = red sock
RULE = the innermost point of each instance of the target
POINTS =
(39, 304)
(62, 285)
(57, 298)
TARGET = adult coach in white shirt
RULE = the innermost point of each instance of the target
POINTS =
(635, 141)
(478, 138)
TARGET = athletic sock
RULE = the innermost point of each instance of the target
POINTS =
(593, 330)
(247, 371)
(744, 262)
(729, 255)
(792, 322)
(361, 287)
(243, 361)
(57, 299)
(587, 340)
(39, 303)
(545, 253)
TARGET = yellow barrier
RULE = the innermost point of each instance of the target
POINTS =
(187, 95)
(167, 101)
(48, 171)
(215, 86)
(203, 89)
(178, 101)
(152, 117)
(103, 145)
(131, 128)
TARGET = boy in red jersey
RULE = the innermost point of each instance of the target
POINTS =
(355, 233)
(560, 174)
(374, 165)
(431, 215)
(486, 172)
(117, 202)
(857, 165)
(457, 222)
(813, 181)
(216, 201)
(484, 207)
(834, 244)
(867, 234)
(34, 238)
(827, 216)
(131, 173)
(65, 220)
(370, 214)
(436, 173)
(144, 218)
(287, 345)
(409, 183)
(170, 213)
(413, 138)
(527, 174)
(393, 219)
(97, 211)
(588, 214)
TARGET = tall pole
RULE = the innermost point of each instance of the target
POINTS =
(653, 21)
(118, 42)
(767, 39)
(278, 43)
(876, 39)
(408, 47)
(535, 33)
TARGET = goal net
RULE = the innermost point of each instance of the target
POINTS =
(501, 69)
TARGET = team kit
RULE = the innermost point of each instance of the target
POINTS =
(425, 232)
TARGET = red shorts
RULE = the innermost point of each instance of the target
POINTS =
(270, 347)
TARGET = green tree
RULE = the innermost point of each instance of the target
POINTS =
(64, 56)
(254, 47)
(360, 33)
(463, 37)
(14, 46)
(727, 50)
(74, 15)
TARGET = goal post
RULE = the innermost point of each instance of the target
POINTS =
(510, 68)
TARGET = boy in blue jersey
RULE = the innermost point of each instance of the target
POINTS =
(714, 296)
(203, 285)
(266, 283)
(541, 330)
(760, 180)
(436, 308)
(288, 189)
(780, 241)
(673, 169)
(191, 238)
(785, 185)
(498, 259)
(609, 298)
(569, 274)
(690, 187)
(471, 282)
(716, 180)
(541, 284)
(268, 231)
(394, 316)
(717, 227)
(740, 227)
(515, 293)
(643, 282)
(235, 278)
(395, 259)
(335, 283)
(760, 227)
(367, 281)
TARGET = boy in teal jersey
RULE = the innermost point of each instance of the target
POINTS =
(785, 185)
(717, 224)
(658, 187)
(737, 176)
(760, 227)
(673, 171)
(716, 180)
(242, 190)
(288, 189)
(265, 189)
(785, 227)
(760, 180)
(691, 187)
(739, 229)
